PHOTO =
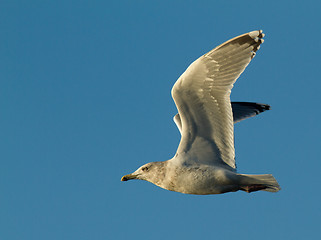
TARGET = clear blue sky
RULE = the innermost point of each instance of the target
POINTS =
(85, 98)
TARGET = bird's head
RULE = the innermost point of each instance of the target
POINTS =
(148, 172)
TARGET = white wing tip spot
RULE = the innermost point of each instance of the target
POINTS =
(256, 34)
(259, 40)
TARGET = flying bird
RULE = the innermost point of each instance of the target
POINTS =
(205, 159)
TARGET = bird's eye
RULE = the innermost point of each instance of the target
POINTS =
(145, 169)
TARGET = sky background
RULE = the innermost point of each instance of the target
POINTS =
(85, 98)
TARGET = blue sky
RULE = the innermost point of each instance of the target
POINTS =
(85, 98)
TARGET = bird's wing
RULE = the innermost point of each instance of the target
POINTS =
(202, 97)
(240, 110)
(244, 110)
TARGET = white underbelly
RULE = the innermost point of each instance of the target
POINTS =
(201, 180)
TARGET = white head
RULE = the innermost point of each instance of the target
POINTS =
(153, 172)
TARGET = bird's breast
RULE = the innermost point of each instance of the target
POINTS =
(195, 180)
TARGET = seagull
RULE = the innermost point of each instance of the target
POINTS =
(205, 159)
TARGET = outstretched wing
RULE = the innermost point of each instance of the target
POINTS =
(202, 97)
(240, 110)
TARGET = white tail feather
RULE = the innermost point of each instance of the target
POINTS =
(264, 182)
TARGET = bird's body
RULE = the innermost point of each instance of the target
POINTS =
(198, 179)
(205, 160)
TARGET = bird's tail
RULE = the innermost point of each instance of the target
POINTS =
(264, 182)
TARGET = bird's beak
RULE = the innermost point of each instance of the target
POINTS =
(128, 177)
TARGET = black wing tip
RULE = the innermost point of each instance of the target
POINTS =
(266, 106)
(260, 107)
(257, 36)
